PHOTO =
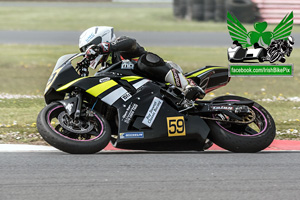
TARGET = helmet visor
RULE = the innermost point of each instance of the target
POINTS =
(95, 41)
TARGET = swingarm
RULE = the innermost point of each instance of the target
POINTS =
(238, 112)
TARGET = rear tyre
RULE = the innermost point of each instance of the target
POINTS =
(244, 138)
(96, 137)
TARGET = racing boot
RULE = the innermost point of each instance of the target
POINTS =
(190, 89)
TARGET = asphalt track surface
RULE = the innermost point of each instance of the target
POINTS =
(194, 39)
(42, 172)
(198, 39)
(149, 175)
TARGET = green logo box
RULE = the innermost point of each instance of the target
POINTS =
(261, 70)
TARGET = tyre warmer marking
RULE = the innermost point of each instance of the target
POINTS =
(102, 87)
(49, 123)
(112, 97)
(266, 124)
(205, 70)
(69, 84)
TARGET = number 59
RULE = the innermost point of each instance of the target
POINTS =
(176, 126)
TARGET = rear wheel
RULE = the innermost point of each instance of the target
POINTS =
(247, 138)
(88, 135)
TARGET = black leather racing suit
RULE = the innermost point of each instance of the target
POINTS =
(149, 65)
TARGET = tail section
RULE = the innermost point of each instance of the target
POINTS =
(210, 77)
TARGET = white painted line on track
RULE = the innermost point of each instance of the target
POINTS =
(25, 148)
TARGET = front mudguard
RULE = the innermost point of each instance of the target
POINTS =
(70, 105)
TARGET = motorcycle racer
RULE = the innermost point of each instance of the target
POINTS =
(101, 46)
(285, 47)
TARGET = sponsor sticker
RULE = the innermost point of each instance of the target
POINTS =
(176, 126)
(102, 80)
(126, 96)
(90, 37)
(131, 135)
(126, 64)
(176, 77)
(152, 111)
(129, 112)
(222, 107)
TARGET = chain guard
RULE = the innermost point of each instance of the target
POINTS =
(75, 127)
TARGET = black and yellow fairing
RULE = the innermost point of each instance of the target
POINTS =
(134, 94)
(64, 79)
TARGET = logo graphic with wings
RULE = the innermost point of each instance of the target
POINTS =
(239, 33)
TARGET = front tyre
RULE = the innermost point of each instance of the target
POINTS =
(249, 138)
(94, 137)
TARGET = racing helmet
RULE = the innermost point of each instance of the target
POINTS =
(291, 41)
(95, 35)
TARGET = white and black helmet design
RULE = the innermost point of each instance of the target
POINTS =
(291, 40)
(96, 35)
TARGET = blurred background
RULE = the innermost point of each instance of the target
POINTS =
(192, 33)
(245, 10)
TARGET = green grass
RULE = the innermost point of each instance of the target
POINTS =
(25, 69)
(123, 19)
(17, 121)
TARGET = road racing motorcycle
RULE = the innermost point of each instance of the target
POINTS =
(84, 113)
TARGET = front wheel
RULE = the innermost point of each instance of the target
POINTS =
(248, 138)
(88, 135)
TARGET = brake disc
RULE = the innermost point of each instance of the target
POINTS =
(78, 126)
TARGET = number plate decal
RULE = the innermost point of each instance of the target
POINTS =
(176, 126)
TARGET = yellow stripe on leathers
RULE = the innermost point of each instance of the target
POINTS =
(205, 70)
(102, 87)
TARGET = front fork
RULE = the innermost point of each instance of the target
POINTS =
(78, 107)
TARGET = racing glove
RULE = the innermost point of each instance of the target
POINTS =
(94, 50)
(83, 63)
